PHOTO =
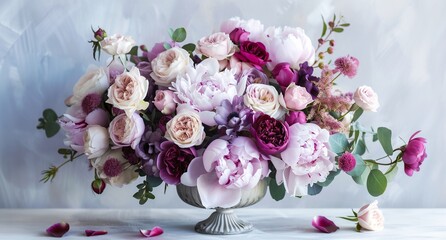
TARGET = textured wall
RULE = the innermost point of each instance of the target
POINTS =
(44, 50)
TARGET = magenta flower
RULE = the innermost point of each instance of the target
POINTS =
(414, 154)
(271, 135)
(253, 52)
(347, 162)
(324, 224)
(295, 117)
(239, 35)
(284, 75)
(347, 66)
(155, 231)
(173, 161)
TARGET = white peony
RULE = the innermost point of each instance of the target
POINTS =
(93, 81)
(253, 26)
(169, 64)
(96, 141)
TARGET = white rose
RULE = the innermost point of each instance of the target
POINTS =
(117, 44)
(185, 129)
(366, 98)
(114, 169)
(370, 217)
(217, 45)
(289, 45)
(128, 92)
(264, 98)
(96, 141)
(169, 64)
(253, 26)
(94, 81)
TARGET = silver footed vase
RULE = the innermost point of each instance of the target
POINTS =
(223, 221)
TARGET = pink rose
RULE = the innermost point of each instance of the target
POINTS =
(239, 35)
(164, 101)
(126, 131)
(96, 141)
(283, 74)
(296, 97)
(366, 98)
(217, 45)
(370, 217)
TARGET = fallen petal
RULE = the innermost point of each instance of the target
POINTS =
(58, 229)
(90, 233)
(152, 233)
(324, 224)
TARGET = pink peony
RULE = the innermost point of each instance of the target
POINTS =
(414, 154)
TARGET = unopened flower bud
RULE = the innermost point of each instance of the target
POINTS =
(100, 34)
(332, 43)
(331, 24)
(321, 41)
(321, 65)
(330, 50)
(321, 55)
(98, 186)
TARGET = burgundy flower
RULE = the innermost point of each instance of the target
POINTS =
(414, 154)
(271, 135)
(173, 161)
(254, 53)
(239, 35)
(283, 74)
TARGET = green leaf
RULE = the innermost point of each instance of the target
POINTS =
(51, 129)
(179, 35)
(190, 47)
(142, 201)
(345, 25)
(354, 213)
(375, 137)
(141, 186)
(385, 138)
(314, 190)
(329, 178)
(134, 51)
(358, 227)
(357, 114)
(277, 191)
(363, 178)
(167, 46)
(359, 148)
(49, 115)
(391, 172)
(170, 32)
(359, 167)
(349, 219)
(338, 30)
(338, 143)
(324, 27)
(64, 151)
(376, 182)
(154, 181)
(138, 194)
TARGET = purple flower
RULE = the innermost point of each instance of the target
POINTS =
(233, 117)
(414, 154)
(253, 52)
(283, 74)
(295, 117)
(148, 150)
(271, 135)
(156, 49)
(324, 224)
(173, 161)
(239, 35)
(306, 79)
(255, 76)
(347, 65)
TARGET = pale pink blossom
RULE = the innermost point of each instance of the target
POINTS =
(126, 131)
(217, 45)
(370, 217)
(96, 141)
(165, 101)
(296, 97)
(366, 98)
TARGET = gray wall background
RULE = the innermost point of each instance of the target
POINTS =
(44, 50)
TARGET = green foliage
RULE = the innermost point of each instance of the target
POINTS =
(338, 30)
(190, 47)
(376, 182)
(362, 179)
(338, 143)
(391, 172)
(48, 122)
(277, 191)
(357, 114)
(314, 190)
(167, 46)
(329, 178)
(134, 51)
(179, 34)
(359, 168)
(145, 189)
(385, 138)
(324, 27)
(359, 148)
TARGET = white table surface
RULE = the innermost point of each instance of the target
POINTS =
(179, 223)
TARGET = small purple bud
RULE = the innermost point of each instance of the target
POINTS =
(100, 34)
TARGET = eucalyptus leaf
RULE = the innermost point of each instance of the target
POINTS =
(277, 191)
(357, 114)
(391, 172)
(363, 178)
(376, 182)
(154, 181)
(359, 167)
(51, 129)
(49, 115)
(179, 35)
(167, 46)
(338, 143)
(190, 47)
(385, 138)
(314, 190)
(329, 178)
(359, 148)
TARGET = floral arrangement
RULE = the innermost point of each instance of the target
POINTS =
(239, 106)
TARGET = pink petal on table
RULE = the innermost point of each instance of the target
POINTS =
(58, 229)
(90, 233)
(152, 233)
(324, 224)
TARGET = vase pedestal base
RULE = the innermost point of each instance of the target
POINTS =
(223, 222)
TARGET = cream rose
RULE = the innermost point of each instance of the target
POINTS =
(114, 169)
(117, 44)
(185, 129)
(370, 217)
(217, 45)
(165, 101)
(126, 131)
(96, 141)
(366, 98)
(264, 98)
(128, 92)
(94, 81)
(169, 64)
